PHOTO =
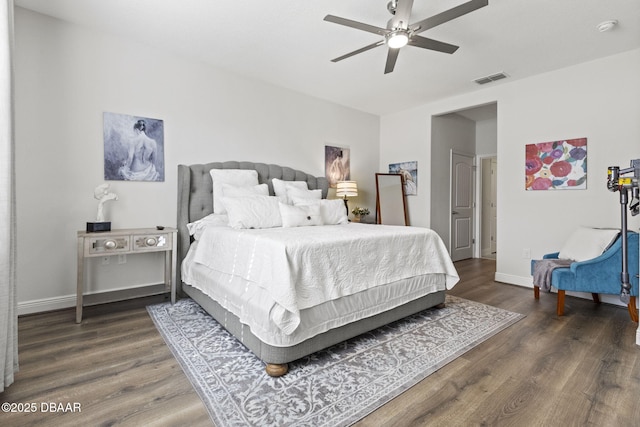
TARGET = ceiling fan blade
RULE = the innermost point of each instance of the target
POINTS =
(392, 57)
(357, 25)
(448, 15)
(355, 52)
(402, 15)
(431, 44)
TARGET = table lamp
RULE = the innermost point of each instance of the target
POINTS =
(346, 189)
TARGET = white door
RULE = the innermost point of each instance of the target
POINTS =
(461, 224)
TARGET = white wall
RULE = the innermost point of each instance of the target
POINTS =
(597, 100)
(67, 76)
(486, 136)
(405, 135)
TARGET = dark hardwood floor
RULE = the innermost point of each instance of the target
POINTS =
(582, 369)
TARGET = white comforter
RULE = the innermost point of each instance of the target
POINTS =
(306, 266)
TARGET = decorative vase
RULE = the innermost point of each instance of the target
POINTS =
(356, 218)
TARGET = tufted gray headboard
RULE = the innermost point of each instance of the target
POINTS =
(195, 192)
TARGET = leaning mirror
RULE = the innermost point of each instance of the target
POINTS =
(391, 208)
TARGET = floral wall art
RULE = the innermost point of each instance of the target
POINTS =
(557, 165)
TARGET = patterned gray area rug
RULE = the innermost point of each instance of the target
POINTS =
(334, 387)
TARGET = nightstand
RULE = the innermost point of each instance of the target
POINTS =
(121, 242)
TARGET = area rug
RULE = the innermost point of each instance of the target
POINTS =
(334, 387)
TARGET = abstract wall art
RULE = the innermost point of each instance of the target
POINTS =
(556, 165)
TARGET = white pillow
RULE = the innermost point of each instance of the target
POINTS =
(303, 194)
(214, 220)
(588, 243)
(253, 212)
(280, 188)
(229, 190)
(237, 177)
(333, 211)
(300, 216)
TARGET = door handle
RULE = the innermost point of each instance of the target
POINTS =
(454, 212)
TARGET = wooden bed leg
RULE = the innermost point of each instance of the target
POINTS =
(560, 308)
(277, 370)
(441, 305)
(536, 292)
(596, 298)
(633, 310)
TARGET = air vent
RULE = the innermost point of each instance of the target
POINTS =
(491, 78)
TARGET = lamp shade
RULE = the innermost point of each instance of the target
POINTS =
(346, 189)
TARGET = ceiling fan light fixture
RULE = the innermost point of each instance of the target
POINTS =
(397, 39)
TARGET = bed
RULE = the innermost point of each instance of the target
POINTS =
(288, 291)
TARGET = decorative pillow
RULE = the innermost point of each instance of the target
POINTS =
(332, 211)
(229, 190)
(237, 177)
(303, 194)
(253, 212)
(588, 243)
(300, 216)
(214, 220)
(280, 188)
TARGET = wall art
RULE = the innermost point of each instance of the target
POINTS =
(556, 165)
(409, 170)
(133, 148)
(337, 164)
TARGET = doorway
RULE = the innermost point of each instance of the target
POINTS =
(488, 207)
(472, 131)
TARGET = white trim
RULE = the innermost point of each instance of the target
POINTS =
(67, 301)
(46, 304)
(527, 282)
(514, 280)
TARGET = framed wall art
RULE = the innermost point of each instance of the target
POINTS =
(337, 164)
(133, 148)
(409, 170)
(556, 165)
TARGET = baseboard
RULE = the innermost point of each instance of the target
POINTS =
(638, 336)
(46, 304)
(514, 280)
(68, 301)
(527, 282)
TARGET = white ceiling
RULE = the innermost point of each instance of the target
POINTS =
(287, 43)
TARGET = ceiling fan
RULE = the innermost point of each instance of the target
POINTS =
(400, 33)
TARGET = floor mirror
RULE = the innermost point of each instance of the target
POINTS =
(391, 206)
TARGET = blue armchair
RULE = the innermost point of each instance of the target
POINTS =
(600, 275)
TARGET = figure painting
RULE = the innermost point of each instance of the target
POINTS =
(133, 148)
(409, 171)
(337, 164)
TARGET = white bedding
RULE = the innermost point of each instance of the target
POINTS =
(304, 267)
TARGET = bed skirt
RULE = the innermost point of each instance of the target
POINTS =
(281, 355)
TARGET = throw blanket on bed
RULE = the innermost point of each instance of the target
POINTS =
(543, 269)
(303, 267)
